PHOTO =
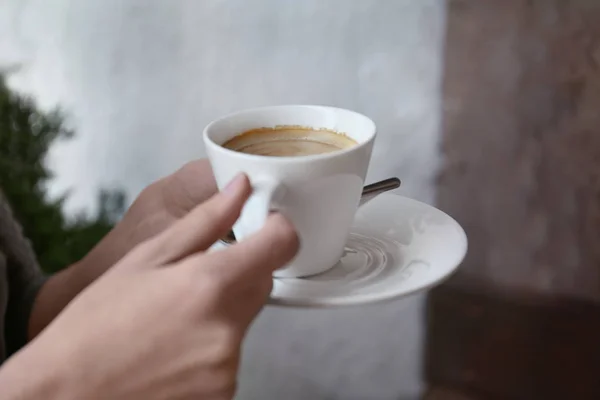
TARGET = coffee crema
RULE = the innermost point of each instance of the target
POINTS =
(289, 141)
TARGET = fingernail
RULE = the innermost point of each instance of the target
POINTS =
(234, 186)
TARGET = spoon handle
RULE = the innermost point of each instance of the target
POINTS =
(381, 186)
(374, 189)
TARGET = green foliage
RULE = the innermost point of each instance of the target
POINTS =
(26, 135)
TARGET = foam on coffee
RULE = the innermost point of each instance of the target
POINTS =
(289, 141)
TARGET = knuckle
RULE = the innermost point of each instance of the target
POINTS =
(194, 168)
(202, 307)
(210, 287)
(140, 252)
(209, 290)
(200, 291)
(187, 289)
(187, 285)
(215, 281)
(148, 194)
(225, 346)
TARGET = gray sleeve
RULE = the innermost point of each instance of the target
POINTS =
(24, 279)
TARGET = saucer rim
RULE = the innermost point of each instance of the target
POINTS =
(370, 299)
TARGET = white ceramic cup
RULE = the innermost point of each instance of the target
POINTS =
(318, 193)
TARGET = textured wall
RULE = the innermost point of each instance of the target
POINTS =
(522, 144)
(521, 173)
(141, 78)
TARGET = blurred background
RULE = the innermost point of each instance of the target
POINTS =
(488, 109)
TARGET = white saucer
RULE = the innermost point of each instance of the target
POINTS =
(397, 246)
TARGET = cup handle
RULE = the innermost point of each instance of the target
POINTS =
(266, 195)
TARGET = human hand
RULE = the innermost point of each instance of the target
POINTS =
(158, 207)
(168, 320)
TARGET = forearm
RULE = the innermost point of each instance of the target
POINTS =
(53, 297)
(27, 376)
(58, 291)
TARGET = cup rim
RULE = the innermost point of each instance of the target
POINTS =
(208, 141)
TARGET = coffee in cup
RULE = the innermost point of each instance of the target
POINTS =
(289, 141)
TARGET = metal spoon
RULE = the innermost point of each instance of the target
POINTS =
(369, 193)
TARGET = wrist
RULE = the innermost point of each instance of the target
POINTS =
(109, 250)
(30, 376)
